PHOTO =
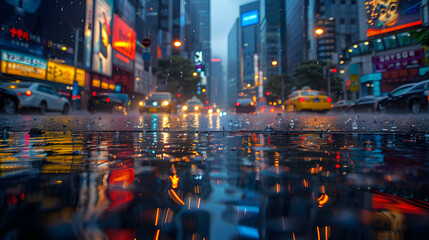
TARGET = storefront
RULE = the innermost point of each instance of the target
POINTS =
(65, 79)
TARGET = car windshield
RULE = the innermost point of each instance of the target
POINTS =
(244, 101)
(159, 96)
(309, 93)
(194, 103)
(401, 90)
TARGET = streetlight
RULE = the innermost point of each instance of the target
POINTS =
(319, 31)
(195, 74)
(177, 43)
(274, 63)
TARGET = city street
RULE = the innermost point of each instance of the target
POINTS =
(204, 176)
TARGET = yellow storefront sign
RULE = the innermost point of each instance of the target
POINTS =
(104, 85)
(62, 73)
(22, 70)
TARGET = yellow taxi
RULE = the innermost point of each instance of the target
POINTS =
(308, 100)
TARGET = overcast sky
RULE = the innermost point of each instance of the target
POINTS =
(223, 14)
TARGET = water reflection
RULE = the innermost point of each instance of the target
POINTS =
(192, 185)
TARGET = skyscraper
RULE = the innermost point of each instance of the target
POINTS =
(339, 19)
(249, 47)
(296, 32)
(233, 67)
(196, 23)
(272, 37)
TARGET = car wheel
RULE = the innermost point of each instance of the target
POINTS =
(416, 107)
(42, 108)
(9, 106)
(65, 110)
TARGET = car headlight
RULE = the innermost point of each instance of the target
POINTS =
(210, 110)
(196, 108)
(165, 103)
(155, 104)
(141, 103)
(184, 108)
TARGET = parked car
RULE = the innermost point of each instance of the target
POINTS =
(342, 106)
(365, 104)
(406, 98)
(9, 101)
(157, 102)
(107, 102)
(40, 96)
(245, 105)
(193, 105)
(311, 100)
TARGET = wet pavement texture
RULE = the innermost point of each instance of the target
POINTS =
(256, 176)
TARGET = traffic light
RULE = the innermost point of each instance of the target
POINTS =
(268, 93)
(334, 70)
(179, 95)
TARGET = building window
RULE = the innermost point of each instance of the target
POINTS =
(390, 42)
(352, 21)
(342, 21)
(343, 1)
(353, 2)
(404, 39)
(378, 45)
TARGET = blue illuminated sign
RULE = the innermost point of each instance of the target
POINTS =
(249, 18)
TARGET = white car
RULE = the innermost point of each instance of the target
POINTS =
(39, 95)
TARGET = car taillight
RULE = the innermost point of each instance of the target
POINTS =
(329, 100)
(73, 97)
(252, 103)
(237, 104)
(28, 93)
(107, 99)
(302, 99)
(19, 94)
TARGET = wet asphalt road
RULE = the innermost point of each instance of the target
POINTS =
(200, 176)
(301, 122)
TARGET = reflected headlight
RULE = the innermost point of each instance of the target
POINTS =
(141, 103)
(184, 108)
(165, 103)
(196, 108)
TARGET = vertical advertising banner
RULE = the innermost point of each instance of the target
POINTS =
(385, 16)
(124, 38)
(102, 47)
(89, 12)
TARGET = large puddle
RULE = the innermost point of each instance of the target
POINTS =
(213, 185)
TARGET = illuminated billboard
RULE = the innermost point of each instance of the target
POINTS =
(102, 47)
(385, 16)
(22, 65)
(124, 38)
(62, 73)
(249, 18)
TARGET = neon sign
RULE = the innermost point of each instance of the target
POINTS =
(249, 18)
(19, 33)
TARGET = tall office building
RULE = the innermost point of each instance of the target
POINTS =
(339, 19)
(216, 83)
(296, 32)
(197, 44)
(249, 47)
(272, 37)
(233, 67)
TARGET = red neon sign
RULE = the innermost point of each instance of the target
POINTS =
(19, 33)
(124, 38)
